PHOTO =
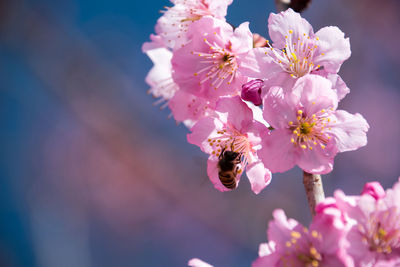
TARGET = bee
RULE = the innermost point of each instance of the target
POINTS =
(228, 167)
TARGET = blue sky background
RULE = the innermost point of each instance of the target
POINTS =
(92, 174)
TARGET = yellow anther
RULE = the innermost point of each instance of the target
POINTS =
(314, 143)
(323, 146)
(290, 31)
(305, 230)
(310, 147)
(294, 56)
(317, 38)
(286, 36)
(295, 234)
(313, 115)
(290, 122)
(314, 263)
(314, 234)
(288, 244)
(323, 110)
(318, 66)
(300, 111)
(322, 54)
(313, 102)
(298, 118)
(293, 241)
(295, 131)
(195, 74)
(292, 140)
(303, 146)
(313, 251)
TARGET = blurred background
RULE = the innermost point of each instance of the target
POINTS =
(93, 174)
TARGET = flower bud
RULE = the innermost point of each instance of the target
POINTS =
(251, 91)
(374, 189)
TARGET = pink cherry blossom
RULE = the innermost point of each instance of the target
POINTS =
(159, 78)
(374, 236)
(210, 65)
(198, 263)
(173, 25)
(308, 130)
(232, 129)
(297, 51)
(291, 244)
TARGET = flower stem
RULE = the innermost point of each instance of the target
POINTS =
(314, 190)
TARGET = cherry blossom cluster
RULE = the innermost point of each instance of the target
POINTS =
(273, 103)
(348, 231)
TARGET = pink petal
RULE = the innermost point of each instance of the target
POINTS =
(265, 249)
(239, 114)
(268, 260)
(198, 263)
(318, 160)
(279, 230)
(278, 153)
(278, 108)
(315, 93)
(280, 24)
(338, 85)
(350, 130)
(332, 50)
(242, 40)
(186, 106)
(258, 175)
(201, 131)
(218, 7)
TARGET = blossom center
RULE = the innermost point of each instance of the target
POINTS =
(219, 64)
(381, 232)
(310, 131)
(301, 249)
(298, 55)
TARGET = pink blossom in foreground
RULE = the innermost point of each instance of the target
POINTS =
(308, 130)
(291, 244)
(159, 78)
(297, 51)
(198, 263)
(233, 129)
(374, 236)
(172, 27)
(210, 64)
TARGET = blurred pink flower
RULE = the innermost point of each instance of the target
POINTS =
(296, 51)
(291, 244)
(374, 236)
(173, 25)
(210, 65)
(232, 129)
(308, 130)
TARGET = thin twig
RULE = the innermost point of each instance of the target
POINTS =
(314, 190)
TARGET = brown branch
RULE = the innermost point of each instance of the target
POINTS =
(314, 190)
